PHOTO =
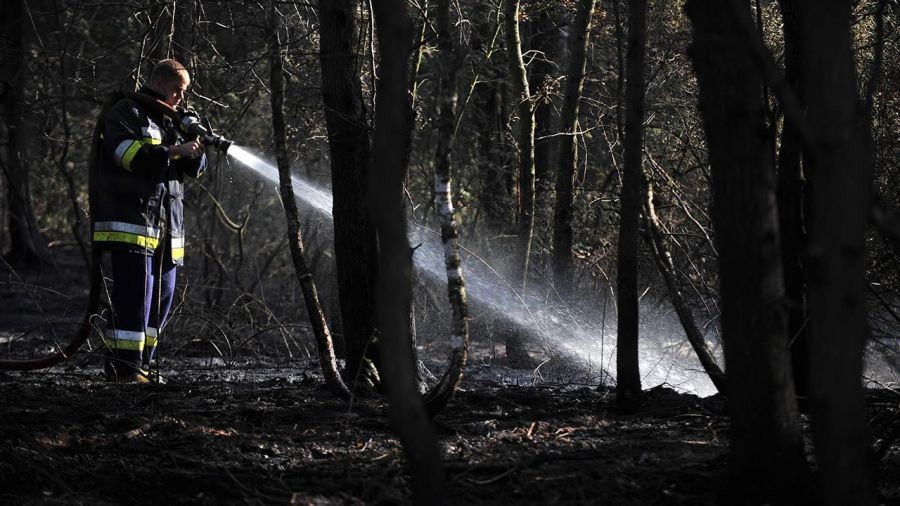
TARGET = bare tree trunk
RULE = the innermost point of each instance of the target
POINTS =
(628, 374)
(183, 33)
(164, 29)
(487, 91)
(27, 247)
(842, 161)
(407, 153)
(348, 142)
(791, 190)
(567, 152)
(888, 223)
(518, 76)
(386, 201)
(494, 166)
(456, 283)
(292, 216)
(620, 67)
(516, 354)
(767, 462)
(545, 42)
(663, 258)
(79, 216)
(418, 54)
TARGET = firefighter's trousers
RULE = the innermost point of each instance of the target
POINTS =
(141, 297)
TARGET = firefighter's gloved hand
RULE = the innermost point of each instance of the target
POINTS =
(192, 150)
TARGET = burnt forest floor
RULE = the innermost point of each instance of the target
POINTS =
(274, 436)
(263, 430)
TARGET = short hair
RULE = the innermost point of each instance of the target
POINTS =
(169, 70)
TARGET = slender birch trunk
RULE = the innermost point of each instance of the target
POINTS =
(518, 76)
(456, 284)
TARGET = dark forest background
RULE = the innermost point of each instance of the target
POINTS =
(736, 161)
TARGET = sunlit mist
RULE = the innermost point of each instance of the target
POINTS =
(665, 356)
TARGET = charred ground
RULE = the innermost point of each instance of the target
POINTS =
(272, 436)
(259, 428)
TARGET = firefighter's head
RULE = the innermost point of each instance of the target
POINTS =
(171, 79)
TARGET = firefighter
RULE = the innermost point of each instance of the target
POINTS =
(138, 215)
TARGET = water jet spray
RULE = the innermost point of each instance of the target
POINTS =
(573, 333)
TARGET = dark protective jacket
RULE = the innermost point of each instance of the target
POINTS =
(137, 203)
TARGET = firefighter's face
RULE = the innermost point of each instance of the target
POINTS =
(173, 91)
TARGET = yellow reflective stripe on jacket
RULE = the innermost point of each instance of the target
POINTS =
(152, 131)
(127, 149)
(125, 152)
(131, 228)
(139, 240)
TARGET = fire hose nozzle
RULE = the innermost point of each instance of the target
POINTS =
(190, 124)
(216, 140)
